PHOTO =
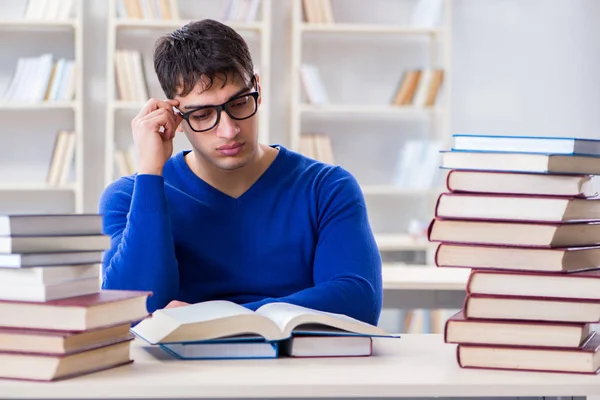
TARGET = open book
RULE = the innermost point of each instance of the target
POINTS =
(197, 328)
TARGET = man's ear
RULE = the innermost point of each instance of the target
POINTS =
(258, 88)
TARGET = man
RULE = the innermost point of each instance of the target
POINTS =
(232, 219)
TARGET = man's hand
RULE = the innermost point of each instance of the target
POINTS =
(176, 303)
(154, 145)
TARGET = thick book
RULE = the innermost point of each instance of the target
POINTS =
(48, 275)
(50, 259)
(327, 346)
(464, 181)
(555, 260)
(42, 292)
(50, 224)
(18, 340)
(224, 321)
(505, 207)
(52, 367)
(521, 308)
(521, 162)
(39, 244)
(530, 144)
(584, 360)
(583, 285)
(461, 330)
(81, 313)
(519, 234)
(224, 350)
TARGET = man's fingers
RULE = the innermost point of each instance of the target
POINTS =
(160, 118)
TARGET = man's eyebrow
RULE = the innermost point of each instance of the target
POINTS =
(238, 93)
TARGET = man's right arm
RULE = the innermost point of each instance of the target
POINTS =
(142, 252)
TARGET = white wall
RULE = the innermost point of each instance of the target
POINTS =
(518, 67)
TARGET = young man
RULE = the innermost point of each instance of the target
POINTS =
(232, 219)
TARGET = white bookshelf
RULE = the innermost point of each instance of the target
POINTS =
(36, 192)
(436, 40)
(120, 113)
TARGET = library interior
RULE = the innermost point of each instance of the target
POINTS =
(321, 188)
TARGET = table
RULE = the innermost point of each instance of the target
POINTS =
(427, 287)
(413, 366)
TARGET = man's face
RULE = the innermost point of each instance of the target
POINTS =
(232, 143)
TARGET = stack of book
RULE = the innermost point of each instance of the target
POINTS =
(523, 214)
(55, 321)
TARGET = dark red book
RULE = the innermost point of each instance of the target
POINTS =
(583, 360)
(105, 308)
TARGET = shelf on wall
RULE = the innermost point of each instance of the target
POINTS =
(369, 28)
(175, 24)
(402, 242)
(366, 109)
(34, 186)
(38, 24)
(397, 191)
(37, 106)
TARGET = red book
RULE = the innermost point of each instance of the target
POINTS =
(583, 360)
(105, 308)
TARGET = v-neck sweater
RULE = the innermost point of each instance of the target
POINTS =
(300, 234)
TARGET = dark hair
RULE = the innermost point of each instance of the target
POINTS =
(200, 48)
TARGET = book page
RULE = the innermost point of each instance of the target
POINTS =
(290, 316)
(205, 311)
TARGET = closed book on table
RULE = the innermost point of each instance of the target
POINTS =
(506, 207)
(465, 181)
(524, 234)
(583, 285)
(50, 224)
(327, 346)
(555, 260)
(461, 330)
(530, 144)
(584, 360)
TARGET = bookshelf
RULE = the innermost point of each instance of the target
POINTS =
(130, 31)
(339, 105)
(41, 96)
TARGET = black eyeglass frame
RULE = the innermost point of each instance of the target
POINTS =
(219, 108)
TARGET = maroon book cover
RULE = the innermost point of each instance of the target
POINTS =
(88, 300)
(592, 345)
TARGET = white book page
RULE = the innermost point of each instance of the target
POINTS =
(205, 311)
(288, 316)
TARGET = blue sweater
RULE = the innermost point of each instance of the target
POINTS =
(300, 235)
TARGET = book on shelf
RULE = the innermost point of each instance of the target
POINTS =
(317, 146)
(558, 259)
(419, 87)
(131, 79)
(522, 183)
(527, 144)
(240, 10)
(417, 165)
(427, 13)
(48, 10)
(42, 79)
(517, 207)
(125, 161)
(151, 10)
(317, 11)
(184, 330)
(460, 329)
(63, 156)
(312, 84)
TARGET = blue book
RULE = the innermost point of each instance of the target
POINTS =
(527, 144)
(222, 329)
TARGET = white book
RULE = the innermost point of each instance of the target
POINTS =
(45, 292)
(48, 275)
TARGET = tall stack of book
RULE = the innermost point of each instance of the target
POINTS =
(55, 321)
(523, 214)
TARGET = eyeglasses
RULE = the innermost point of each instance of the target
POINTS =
(205, 118)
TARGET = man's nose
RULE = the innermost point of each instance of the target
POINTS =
(228, 127)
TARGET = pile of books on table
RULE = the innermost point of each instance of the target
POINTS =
(523, 214)
(55, 321)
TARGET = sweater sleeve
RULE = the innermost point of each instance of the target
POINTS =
(347, 262)
(142, 251)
